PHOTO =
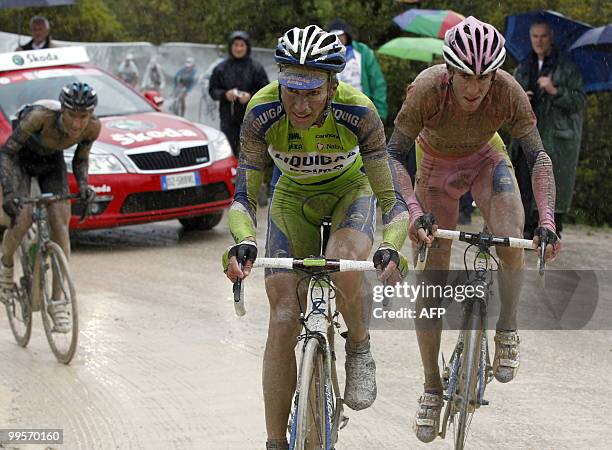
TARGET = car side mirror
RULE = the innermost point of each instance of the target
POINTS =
(154, 97)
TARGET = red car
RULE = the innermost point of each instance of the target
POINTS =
(146, 165)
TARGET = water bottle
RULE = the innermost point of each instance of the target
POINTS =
(482, 262)
(31, 246)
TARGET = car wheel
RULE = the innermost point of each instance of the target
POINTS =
(207, 222)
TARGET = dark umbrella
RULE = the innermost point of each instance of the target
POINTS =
(593, 61)
(33, 3)
(592, 52)
(565, 31)
(600, 37)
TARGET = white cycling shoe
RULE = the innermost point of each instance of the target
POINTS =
(6, 283)
(60, 314)
(507, 355)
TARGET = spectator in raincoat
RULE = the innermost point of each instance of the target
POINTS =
(362, 70)
(153, 77)
(554, 86)
(128, 71)
(233, 82)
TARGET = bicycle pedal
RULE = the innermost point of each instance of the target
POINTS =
(343, 422)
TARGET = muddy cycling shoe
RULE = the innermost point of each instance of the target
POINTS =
(360, 388)
(427, 420)
(60, 314)
(506, 361)
(277, 444)
(6, 275)
(6, 283)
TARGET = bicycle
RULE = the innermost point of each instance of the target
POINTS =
(469, 369)
(318, 413)
(177, 106)
(43, 277)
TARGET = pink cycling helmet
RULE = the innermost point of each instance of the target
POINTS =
(474, 47)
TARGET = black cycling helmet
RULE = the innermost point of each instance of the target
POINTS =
(78, 97)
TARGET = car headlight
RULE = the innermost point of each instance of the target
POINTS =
(99, 164)
(222, 147)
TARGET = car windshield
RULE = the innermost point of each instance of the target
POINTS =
(114, 98)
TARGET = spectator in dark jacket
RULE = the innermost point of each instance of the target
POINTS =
(554, 85)
(39, 27)
(233, 82)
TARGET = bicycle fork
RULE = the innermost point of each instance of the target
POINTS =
(475, 321)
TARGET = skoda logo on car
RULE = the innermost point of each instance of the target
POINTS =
(174, 149)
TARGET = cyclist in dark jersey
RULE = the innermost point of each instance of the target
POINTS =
(35, 149)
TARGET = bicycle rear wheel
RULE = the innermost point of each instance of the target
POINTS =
(311, 425)
(19, 305)
(55, 273)
(466, 395)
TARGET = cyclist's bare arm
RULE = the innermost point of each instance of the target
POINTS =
(80, 160)
(382, 174)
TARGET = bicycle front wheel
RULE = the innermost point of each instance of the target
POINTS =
(57, 287)
(468, 379)
(18, 304)
(311, 426)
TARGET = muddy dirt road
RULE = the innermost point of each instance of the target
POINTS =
(163, 363)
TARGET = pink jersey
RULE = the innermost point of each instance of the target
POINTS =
(431, 113)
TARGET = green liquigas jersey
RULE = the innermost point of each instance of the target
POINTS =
(350, 142)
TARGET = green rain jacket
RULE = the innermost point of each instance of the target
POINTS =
(559, 122)
(372, 79)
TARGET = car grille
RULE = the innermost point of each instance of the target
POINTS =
(176, 198)
(162, 160)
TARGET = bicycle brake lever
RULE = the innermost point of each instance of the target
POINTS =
(543, 245)
(542, 259)
(238, 291)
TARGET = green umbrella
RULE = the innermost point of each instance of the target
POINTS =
(419, 49)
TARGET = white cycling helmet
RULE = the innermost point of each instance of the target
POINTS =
(474, 47)
(310, 48)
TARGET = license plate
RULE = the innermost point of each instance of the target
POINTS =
(180, 180)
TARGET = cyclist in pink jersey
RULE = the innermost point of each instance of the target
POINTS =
(454, 111)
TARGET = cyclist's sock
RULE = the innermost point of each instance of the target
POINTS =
(433, 383)
(8, 266)
(277, 444)
(359, 347)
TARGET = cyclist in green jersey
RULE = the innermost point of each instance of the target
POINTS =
(328, 143)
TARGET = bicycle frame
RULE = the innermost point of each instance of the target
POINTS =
(318, 321)
(44, 281)
(43, 237)
(472, 347)
(474, 329)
